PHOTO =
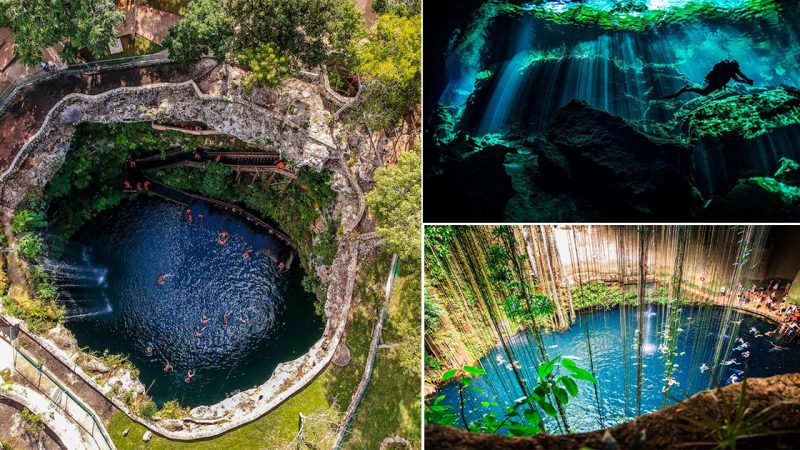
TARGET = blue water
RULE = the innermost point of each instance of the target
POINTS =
(113, 302)
(695, 345)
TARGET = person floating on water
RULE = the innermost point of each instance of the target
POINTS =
(244, 320)
(189, 376)
(200, 217)
(735, 377)
(776, 347)
(729, 362)
(168, 367)
(718, 78)
(746, 354)
(160, 280)
(189, 215)
(204, 320)
(226, 318)
(149, 350)
(703, 368)
(198, 332)
(246, 254)
(222, 237)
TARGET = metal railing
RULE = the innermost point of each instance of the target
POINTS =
(10, 91)
(37, 375)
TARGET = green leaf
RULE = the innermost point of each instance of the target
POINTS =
(580, 374)
(568, 363)
(466, 381)
(488, 404)
(570, 384)
(532, 416)
(547, 368)
(438, 399)
(548, 408)
(561, 394)
(449, 374)
(475, 370)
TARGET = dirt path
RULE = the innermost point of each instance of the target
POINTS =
(25, 114)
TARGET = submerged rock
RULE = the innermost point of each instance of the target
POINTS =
(757, 197)
(629, 174)
(788, 172)
(473, 185)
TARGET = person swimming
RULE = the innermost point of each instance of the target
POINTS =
(226, 318)
(746, 354)
(204, 320)
(719, 76)
(244, 320)
(198, 332)
(753, 330)
(189, 376)
(168, 367)
(670, 382)
(776, 347)
(499, 358)
(222, 237)
(703, 368)
(246, 254)
(149, 350)
(729, 362)
(161, 279)
(741, 347)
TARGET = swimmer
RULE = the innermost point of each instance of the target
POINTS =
(226, 318)
(703, 368)
(246, 254)
(746, 354)
(160, 280)
(741, 347)
(770, 333)
(168, 367)
(204, 320)
(509, 367)
(517, 365)
(753, 330)
(149, 350)
(198, 332)
(729, 362)
(201, 217)
(740, 340)
(670, 382)
(776, 347)
(189, 376)
(734, 378)
(737, 322)
(244, 320)
(499, 358)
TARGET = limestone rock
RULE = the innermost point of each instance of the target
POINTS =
(147, 436)
(760, 197)
(627, 173)
(788, 172)
(342, 355)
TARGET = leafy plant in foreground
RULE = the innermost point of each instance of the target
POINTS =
(522, 418)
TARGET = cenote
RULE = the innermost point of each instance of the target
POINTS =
(614, 359)
(109, 274)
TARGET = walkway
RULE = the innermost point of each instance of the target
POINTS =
(26, 112)
(238, 161)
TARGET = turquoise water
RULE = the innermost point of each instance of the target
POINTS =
(615, 363)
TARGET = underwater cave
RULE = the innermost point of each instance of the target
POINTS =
(557, 111)
(564, 329)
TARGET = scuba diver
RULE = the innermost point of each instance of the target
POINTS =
(718, 78)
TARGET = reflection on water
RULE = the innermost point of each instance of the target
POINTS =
(615, 363)
(223, 311)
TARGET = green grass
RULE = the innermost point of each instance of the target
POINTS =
(135, 46)
(279, 427)
(392, 404)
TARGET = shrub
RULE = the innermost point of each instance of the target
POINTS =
(173, 410)
(26, 220)
(31, 246)
(148, 410)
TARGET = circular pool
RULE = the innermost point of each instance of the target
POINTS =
(700, 334)
(144, 281)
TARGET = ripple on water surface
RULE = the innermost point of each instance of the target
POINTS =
(111, 268)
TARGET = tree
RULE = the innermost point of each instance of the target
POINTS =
(205, 29)
(396, 202)
(39, 24)
(405, 8)
(216, 179)
(267, 65)
(312, 32)
(389, 64)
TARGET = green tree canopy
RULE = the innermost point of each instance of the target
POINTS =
(38, 24)
(268, 67)
(396, 202)
(389, 63)
(205, 29)
(217, 178)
